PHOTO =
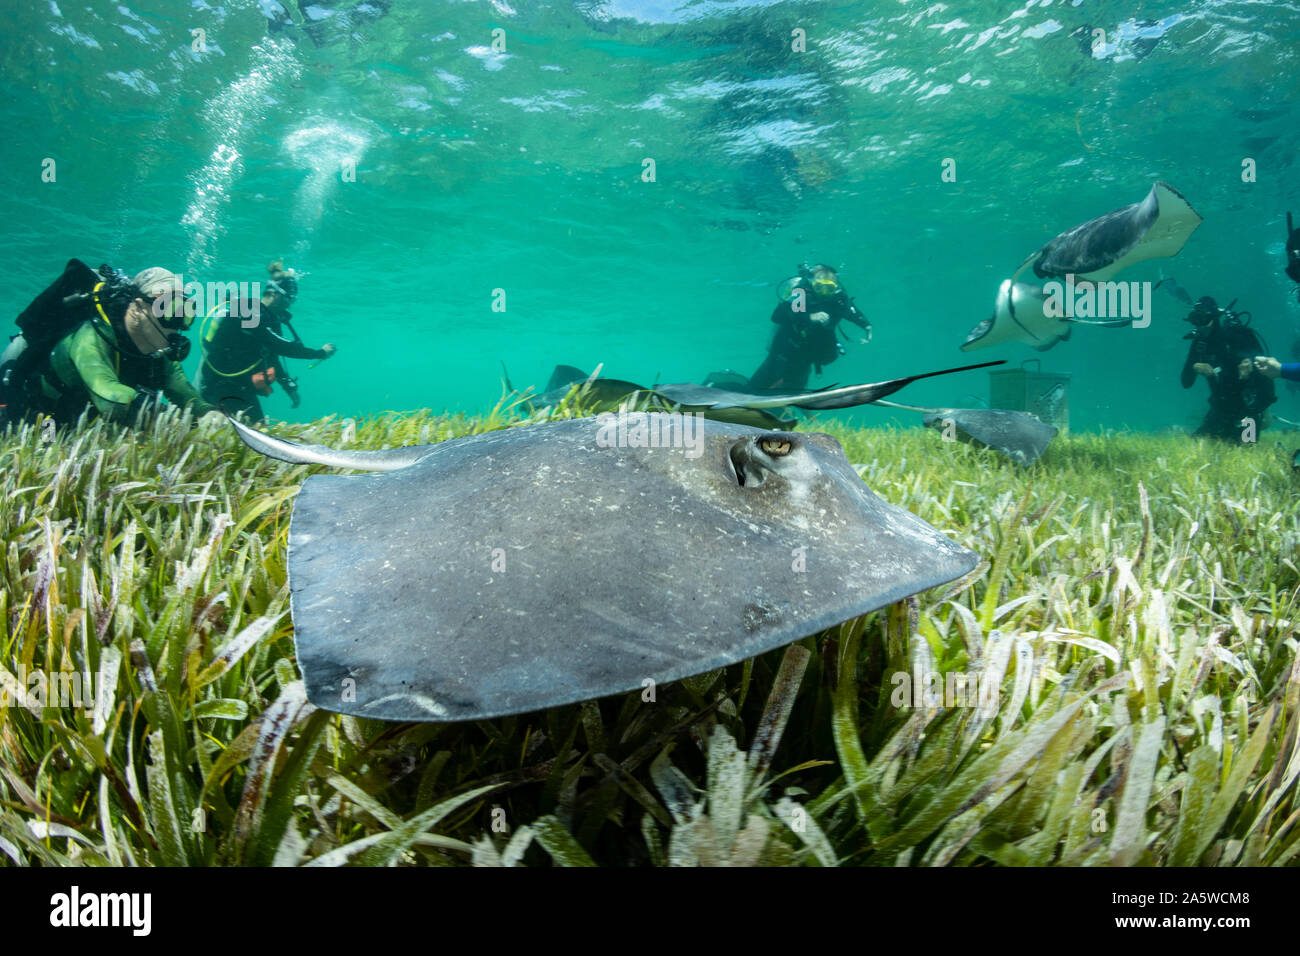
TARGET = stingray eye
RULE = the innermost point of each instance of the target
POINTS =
(775, 447)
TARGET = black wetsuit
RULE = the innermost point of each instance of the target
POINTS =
(800, 345)
(232, 355)
(1232, 398)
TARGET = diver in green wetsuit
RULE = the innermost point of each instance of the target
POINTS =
(123, 355)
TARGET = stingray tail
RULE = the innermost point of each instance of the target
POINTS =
(283, 450)
(865, 394)
(1174, 289)
(899, 383)
(907, 408)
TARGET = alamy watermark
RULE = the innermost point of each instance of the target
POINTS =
(935, 689)
(1098, 300)
(243, 300)
(651, 430)
(40, 689)
(73, 909)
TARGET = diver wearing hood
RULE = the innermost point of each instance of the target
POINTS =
(124, 348)
(1223, 350)
(242, 356)
(812, 305)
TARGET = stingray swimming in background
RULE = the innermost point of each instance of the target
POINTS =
(599, 394)
(1157, 227)
(541, 565)
(1020, 436)
(738, 407)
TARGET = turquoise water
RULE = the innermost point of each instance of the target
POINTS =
(521, 170)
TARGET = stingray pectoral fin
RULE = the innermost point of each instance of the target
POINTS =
(563, 377)
(1173, 223)
(1053, 341)
(978, 337)
(1004, 325)
(281, 449)
(1018, 316)
(1029, 261)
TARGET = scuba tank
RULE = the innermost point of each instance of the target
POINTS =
(53, 314)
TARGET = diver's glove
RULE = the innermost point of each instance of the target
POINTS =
(145, 404)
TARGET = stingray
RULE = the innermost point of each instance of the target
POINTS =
(597, 389)
(1020, 436)
(1157, 227)
(608, 394)
(1020, 314)
(541, 565)
(748, 408)
(690, 395)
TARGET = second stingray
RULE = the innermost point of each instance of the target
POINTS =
(1018, 435)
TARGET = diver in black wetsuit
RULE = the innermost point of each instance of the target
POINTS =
(243, 343)
(812, 305)
(1223, 351)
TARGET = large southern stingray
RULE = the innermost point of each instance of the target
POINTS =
(522, 569)
(1020, 436)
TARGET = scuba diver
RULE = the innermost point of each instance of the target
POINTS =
(241, 359)
(101, 340)
(812, 305)
(1223, 350)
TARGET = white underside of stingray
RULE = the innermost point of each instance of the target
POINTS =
(1021, 315)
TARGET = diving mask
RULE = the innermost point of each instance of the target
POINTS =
(824, 286)
(286, 284)
(174, 311)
